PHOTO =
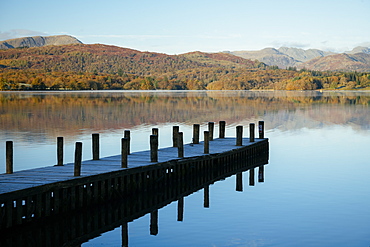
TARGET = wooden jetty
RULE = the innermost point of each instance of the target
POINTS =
(33, 195)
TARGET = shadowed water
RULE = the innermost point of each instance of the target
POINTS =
(316, 189)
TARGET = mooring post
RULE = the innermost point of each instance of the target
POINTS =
(95, 146)
(211, 128)
(251, 132)
(196, 128)
(222, 126)
(206, 142)
(153, 148)
(261, 129)
(60, 151)
(124, 152)
(127, 135)
(180, 145)
(78, 159)
(239, 135)
(9, 157)
(175, 134)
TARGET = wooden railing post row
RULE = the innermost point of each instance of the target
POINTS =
(95, 146)
(78, 159)
(9, 157)
(222, 126)
(60, 152)
(239, 135)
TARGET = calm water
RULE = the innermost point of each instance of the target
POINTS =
(316, 190)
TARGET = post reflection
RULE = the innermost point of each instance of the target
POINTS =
(206, 196)
(154, 222)
(78, 227)
(251, 177)
(239, 182)
(180, 209)
(261, 175)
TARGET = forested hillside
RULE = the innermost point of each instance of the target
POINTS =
(92, 67)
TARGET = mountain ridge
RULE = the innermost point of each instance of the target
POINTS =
(286, 57)
(38, 41)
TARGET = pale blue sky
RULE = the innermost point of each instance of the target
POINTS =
(174, 27)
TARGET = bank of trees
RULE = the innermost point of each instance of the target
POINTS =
(97, 67)
(199, 79)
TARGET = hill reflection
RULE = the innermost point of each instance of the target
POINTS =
(73, 111)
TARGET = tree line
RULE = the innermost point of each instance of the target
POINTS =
(101, 67)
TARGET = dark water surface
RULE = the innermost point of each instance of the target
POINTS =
(316, 189)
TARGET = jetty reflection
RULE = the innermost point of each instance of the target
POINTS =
(80, 226)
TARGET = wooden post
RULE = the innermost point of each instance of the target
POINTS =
(180, 209)
(211, 127)
(239, 135)
(154, 222)
(127, 135)
(124, 152)
(239, 181)
(175, 134)
(180, 145)
(261, 129)
(95, 146)
(9, 157)
(222, 126)
(206, 142)
(153, 148)
(196, 128)
(60, 151)
(251, 132)
(78, 159)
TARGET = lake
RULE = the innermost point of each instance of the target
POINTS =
(316, 186)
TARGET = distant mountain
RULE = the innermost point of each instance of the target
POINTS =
(38, 41)
(301, 55)
(269, 56)
(283, 57)
(313, 59)
(340, 62)
(359, 49)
